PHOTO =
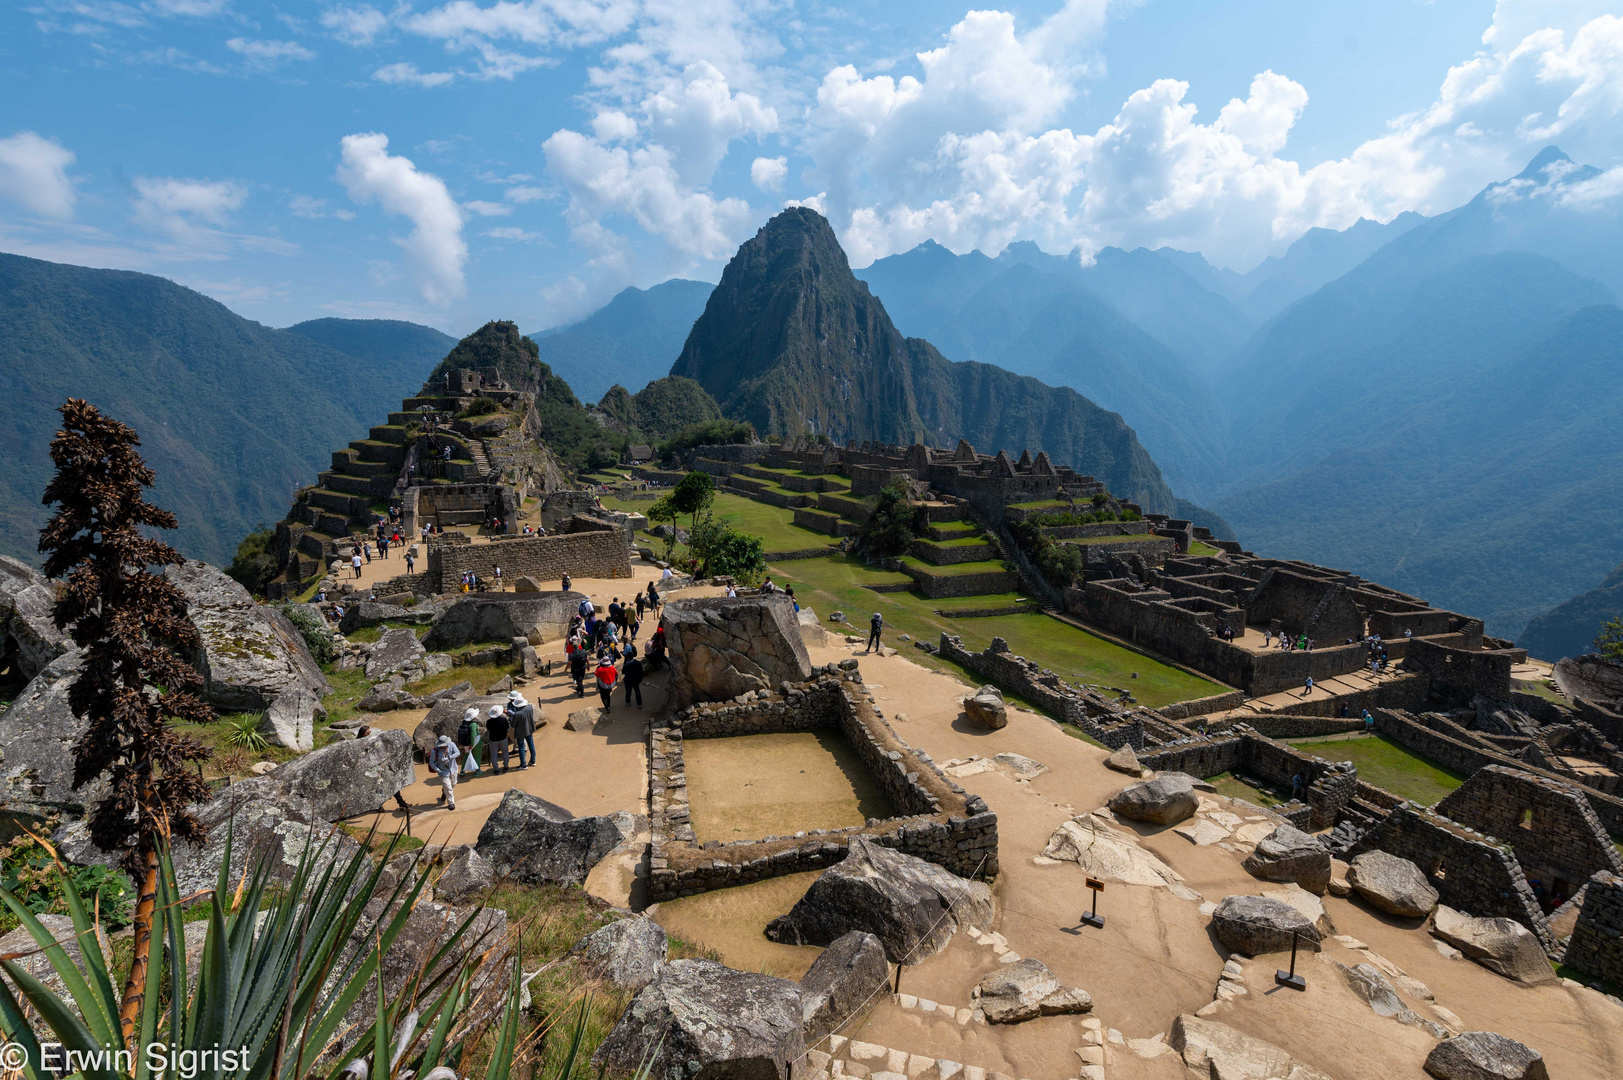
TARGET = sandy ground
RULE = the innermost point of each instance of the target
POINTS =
(1154, 958)
(752, 786)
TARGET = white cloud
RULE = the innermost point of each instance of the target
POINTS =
(266, 54)
(195, 8)
(487, 209)
(307, 206)
(525, 193)
(508, 232)
(355, 25)
(612, 125)
(768, 173)
(435, 249)
(406, 74)
(695, 118)
(33, 174)
(191, 212)
(465, 26)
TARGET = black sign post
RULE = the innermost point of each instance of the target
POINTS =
(1093, 918)
(1290, 978)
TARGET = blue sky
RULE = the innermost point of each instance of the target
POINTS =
(450, 161)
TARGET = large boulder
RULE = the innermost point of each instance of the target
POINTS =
(538, 617)
(986, 709)
(466, 876)
(396, 650)
(445, 716)
(1025, 990)
(251, 653)
(376, 613)
(1485, 1055)
(534, 842)
(1501, 945)
(1392, 884)
(1590, 676)
(29, 639)
(703, 1021)
(1260, 924)
(21, 946)
(350, 778)
(847, 976)
(1216, 1050)
(721, 647)
(1289, 854)
(1166, 800)
(913, 907)
(1112, 855)
(291, 719)
(37, 734)
(627, 953)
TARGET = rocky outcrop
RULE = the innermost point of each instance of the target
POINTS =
(845, 978)
(396, 650)
(1026, 989)
(37, 734)
(28, 634)
(534, 842)
(500, 617)
(251, 654)
(1166, 800)
(702, 1020)
(350, 778)
(1392, 884)
(986, 709)
(1590, 676)
(722, 647)
(1289, 854)
(1112, 855)
(1485, 1055)
(367, 613)
(627, 953)
(1501, 945)
(1259, 924)
(913, 907)
(1124, 760)
(21, 946)
(1212, 1049)
(464, 878)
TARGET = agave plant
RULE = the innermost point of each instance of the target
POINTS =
(275, 984)
(242, 732)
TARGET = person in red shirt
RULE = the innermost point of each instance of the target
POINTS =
(606, 676)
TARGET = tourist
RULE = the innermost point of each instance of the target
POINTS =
(586, 609)
(633, 624)
(1267, 638)
(469, 737)
(875, 625)
(366, 549)
(1309, 691)
(665, 574)
(1298, 786)
(642, 605)
(577, 666)
(444, 763)
(521, 718)
(497, 726)
(1369, 721)
(1407, 634)
(632, 671)
(411, 561)
(614, 610)
(497, 574)
(566, 581)
(321, 595)
(732, 591)
(656, 649)
(355, 561)
(766, 586)
(606, 677)
(383, 547)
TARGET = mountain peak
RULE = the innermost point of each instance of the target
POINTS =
(1541, 161)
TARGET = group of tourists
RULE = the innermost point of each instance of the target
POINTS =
(486, 741)
(1284, 641)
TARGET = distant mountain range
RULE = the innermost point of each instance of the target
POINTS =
(630, 341)
(232, 415)
(1569, 629)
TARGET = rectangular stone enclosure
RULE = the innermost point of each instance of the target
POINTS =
(856, 768)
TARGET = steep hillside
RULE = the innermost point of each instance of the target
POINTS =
(375, 341)
(233, 415)
(792, 342)
(631, 340)
(660, 409)
(1569, 629)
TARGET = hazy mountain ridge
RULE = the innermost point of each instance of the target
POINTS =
(631, 340)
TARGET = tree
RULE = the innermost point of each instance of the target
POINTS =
(694, 494)
(1609, 642)
(255, 564)
(719, 549)
(664, 513)
(889, 528)
(131, 627)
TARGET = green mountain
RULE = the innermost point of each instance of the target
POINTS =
(792, 342)
(232, 415)
(660, 409)
(376, 341)
(631, 340)
(1569, 629)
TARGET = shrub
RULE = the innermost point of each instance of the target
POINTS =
(255, 564)
(241, 732)
(889, 530)
(479, 406)
(1609, 642)
(1059, 564)
(314, 631)
(29, 872)
(717, 549)
(708, 433)
(693, 494)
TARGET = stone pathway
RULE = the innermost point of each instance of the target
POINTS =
(871, 1061)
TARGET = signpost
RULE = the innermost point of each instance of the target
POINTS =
(1290, 978)
(1093, 918)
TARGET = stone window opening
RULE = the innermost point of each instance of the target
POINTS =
(1438, 871)
(1526, 821)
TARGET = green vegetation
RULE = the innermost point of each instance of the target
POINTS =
(716, 548)
(1544, 688)
(984, 566)
(890, 526)
(1077, 517)
(1200, 548)
(708, 433)
(28, 871)
(254, 564)
(1059, 564)
(314, 631)
(1093, 541)
(1232, 787)
(1384, 763)
(1609, 642)
(480, 406)
(241, 732)
(660, 409)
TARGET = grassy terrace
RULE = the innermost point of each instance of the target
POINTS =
(967, 540)
(1199, 548)
(985, 566)
(832, 478)
(1384, 763)
(1543, 688)
(1090, 541)
(774, 526)
(837, 584)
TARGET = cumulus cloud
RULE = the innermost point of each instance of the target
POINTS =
(406, 74)
(192, 212)
(697, 116)
(612, 125)
(768, 173)
(435, 249)
(267, 54)
(355, 25)
(34, 174)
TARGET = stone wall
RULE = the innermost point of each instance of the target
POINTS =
(1100, 717)
(937, 586)
(1549, 824)
(1300, 604)
(1289, 725)
(936, 819)
(590, 549)
(1458, 675)
(1596, 947)
(1470, 872)
(721, 647)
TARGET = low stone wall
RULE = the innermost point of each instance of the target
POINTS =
(1290, 726)
(938, 586)
(824, 522)
(943, 555)
(1596, 947)
(1089, 710)
(592, 549)
(1461, 674)
(1183, 710)
(937, 820)
(1470, 872)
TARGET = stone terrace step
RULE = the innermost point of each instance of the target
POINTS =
(356, 485)
(389, 433)
(342, 458)
(336, 501)
(371, 450)
(948, 554)
(372, 468)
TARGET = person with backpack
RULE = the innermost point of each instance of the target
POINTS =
(606, 678)
(577, 667)
(566, 582)
(443, 761)
(642, 605)
(411, 561)
(521, 717)
(653, 598)
(631, 671)
(468, 737)
(875, 625)
(497, 727)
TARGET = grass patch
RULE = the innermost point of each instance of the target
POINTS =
(1200, 548)
(481, 675)
(1385, 764)
(348, 688)
(968, 540)
(1232, 787)
(1090, 541)
(976, 603)
(1544, 688)
(773, 525)
(984, 566)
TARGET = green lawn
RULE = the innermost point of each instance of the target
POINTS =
(985, 566)
(1384, 763)
(774, 526)
(967, 540)
(1232, 787)
(1542, 688)
(1091, 540)
(1199, 548)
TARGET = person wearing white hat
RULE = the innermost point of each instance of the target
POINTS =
(521, 715)
(496, 727)
(444, 763)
